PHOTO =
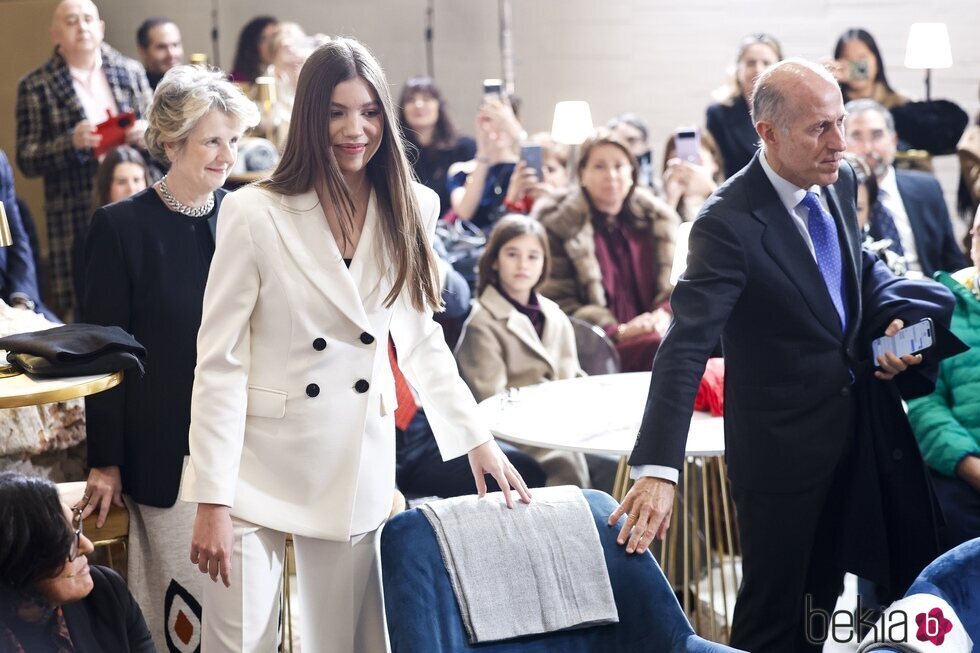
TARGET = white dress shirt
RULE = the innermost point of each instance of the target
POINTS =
(94, 92)
(888, 195)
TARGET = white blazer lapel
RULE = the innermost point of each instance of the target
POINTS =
(306, 236)
(370, 263)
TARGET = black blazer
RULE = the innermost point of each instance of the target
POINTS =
(935, 243)
(145, 270)
(752, 280)
(733, 131)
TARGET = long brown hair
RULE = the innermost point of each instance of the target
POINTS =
(308, 162)
(509, 227)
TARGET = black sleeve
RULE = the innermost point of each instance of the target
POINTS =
(107, 301)
(137, 634)
(702, 301)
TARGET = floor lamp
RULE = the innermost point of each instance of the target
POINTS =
(928, 48)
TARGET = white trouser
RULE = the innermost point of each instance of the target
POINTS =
(341, 606)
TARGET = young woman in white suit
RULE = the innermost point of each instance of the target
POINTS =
(292, 427)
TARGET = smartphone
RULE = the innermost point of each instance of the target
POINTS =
(493, 87)
(687, 145)
(532, 156)
(910, 340)
(113, 131)
(859, 70)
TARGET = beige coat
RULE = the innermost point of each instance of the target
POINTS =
(500, 349)
(575, 282)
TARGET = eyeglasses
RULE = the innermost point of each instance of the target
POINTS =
(76, 543)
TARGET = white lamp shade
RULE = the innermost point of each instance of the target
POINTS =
(928, 46)
(680, 252)
(572, 123)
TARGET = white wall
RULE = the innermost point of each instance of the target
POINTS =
(658, 59)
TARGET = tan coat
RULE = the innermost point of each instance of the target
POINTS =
(575, 282)
(500, 349)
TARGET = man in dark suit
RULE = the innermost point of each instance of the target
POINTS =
(911, 210)
(776, 270)
(59, 106)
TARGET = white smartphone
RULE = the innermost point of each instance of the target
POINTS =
(910, 340)
(687, 145)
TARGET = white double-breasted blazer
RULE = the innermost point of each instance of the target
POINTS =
(292, 416)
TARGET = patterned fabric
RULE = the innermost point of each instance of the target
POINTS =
(823, 232)
(403, 392)
(883, 226)
(60, 637)
(47, 111)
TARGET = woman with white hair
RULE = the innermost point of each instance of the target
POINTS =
(146, 265)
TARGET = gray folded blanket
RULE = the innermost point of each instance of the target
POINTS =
(537, 568)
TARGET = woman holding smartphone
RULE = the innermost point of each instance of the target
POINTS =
(322, 277)
(730, 119)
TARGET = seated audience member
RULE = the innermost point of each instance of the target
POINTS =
(633, 131)
(419, 469)
(121, 174)
(427, 125)
(18, 274)
(947, 422)
(515, 337)
(612, 247)
(729, 120)
(910, 209)
(253, 56)
(289, 49)
(51, 599)
(477, 188)
(860, 71)
(160, 46)
(866, 204)
(689, 184)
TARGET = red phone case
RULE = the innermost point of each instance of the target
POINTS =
(113, 131)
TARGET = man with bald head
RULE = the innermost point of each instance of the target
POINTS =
(776, 271)
(59, 106)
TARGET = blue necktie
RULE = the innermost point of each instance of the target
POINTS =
(883, 225)
(823, 233)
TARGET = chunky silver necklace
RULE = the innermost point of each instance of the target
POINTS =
(175, 205)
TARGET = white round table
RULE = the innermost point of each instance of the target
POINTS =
(602, 415)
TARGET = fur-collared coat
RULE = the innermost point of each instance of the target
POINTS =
(575, 282)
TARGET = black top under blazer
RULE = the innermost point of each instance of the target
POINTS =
(145, 270)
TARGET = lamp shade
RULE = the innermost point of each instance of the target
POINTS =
(572, 123)
(928, 46)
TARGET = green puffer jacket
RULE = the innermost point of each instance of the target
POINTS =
(947, 422)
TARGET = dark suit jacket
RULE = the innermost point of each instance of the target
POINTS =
(929, 217)
(108, 619)
(17, 272)
(752, 280)
(146, 269)
(733, 131)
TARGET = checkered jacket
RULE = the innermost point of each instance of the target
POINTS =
(47, 111)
